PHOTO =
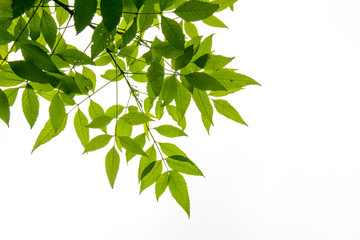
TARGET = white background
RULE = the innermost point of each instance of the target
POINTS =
(292, 174)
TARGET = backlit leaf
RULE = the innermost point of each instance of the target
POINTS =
(135, 118)
(130, 145)
(169, 90)
(30, 106)
(184, 59)
(123, 128)
(155, 75)
(225, 109)
(48, 28)
(146, 160)
(173, 32)
(170, 131)
(231, 80)
(8, 78)
(98, 142)
(179, 191)
(5, 37)
(61, 14)
(114, 111)
(101, 39)
(11, 94)
(204, 81)
(170, 149)
(214, 22)
(151, 176)
(75, 57)
(80, 121)
(146, 20)
(4, 108)
(161, 184)
(184, 165)
(203, 104)
(47, 133)
(57, 112)
(83, 13)
(164, 4)
(112, 162)
(195, 10)
(100, 122)
(190, 29)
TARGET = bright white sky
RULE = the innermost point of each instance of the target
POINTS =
(293, 174)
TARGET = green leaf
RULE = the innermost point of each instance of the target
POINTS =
(5, 37)
(164, 4)
(224, 4)
(95, 110)
(47, 133)
(174, 113)
(35, 27)
(184, 165)
(11, 94)
(29, 71)
(195, 10)
(231, 80)
(112, 162)
(155, 75)
(111, 11)
(84, 84)
(216, 62)
(101, 39)
(202, 102)
(184, 59)
(130, 34)
(165, 49)
(114, 111)
(140, 140)
(170, 131)
(75, 57)
(135, 118)
(222, 93)
(170, 149)
(179, 191)
(87, 72)
(150, 174)
(225, 109)
(214, 22)
(112, 74)
(38, 57)
(173, 32)
(100, 122)
(145, 19)
(21, 30)
(123, 128)
(6, 11)
(161, 184)
(182, 100)
(57, 112)
(190, 29)
(19, 7)
(130, 145)
(80, 121)
(30, 105)
(4, 108)
(204, 48)
(98, 142)
(48, 28)
(61, 14)
(169, 90)
(204, 81)
(8, 78)
(83, 13)
(146, 160)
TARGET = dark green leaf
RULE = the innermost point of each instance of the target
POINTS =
(34, 26)
(173, 32)
(30, 106)
(164, 4)
(170, 131)
(203, 104)
(47, 133)
(101, 39)
(155, 75)
(179, 191)
(225, 109)
(111, 11)
(80, 121)
(83, 13)
(203, 81)
(139, 3)
(75, 57)
(57, 112)
(195, 10)
(130, 145)
(165, 49)
(4, 108)
(29, 71)
(48, 28)
(231, 80)
(98, 142)
(5, 37)
(130, 34)
(38, 57)
(19, 7)
(184, 59)
(112, 162)
(184, 165)
(150, 176)
(161, 184)
(21, 30)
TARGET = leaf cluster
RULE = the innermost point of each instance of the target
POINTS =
(163, 75)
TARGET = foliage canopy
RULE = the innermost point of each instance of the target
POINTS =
(162, 76)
